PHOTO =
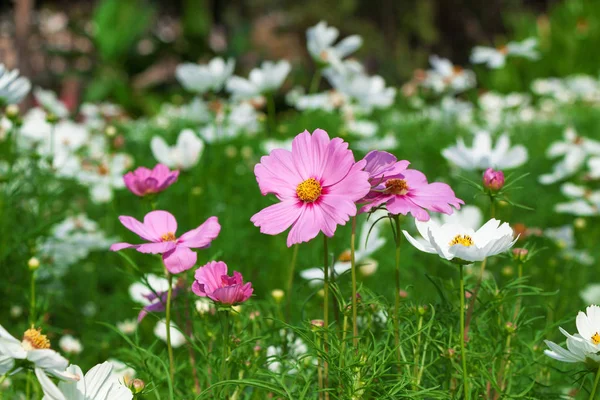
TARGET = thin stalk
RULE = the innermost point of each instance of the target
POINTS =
(504, 367)
(474, 298)
(290, 283)
(28, 386)
(463, 351)
(397, 301)
(314, 83)
(326, 310)
(271, 113)
(319, 369)
(168, 324)
(593, 393)
(32, 299)
(190, 333)
(520, 292)
(354, 299)
(224, 374)
(345, 331)
(417, 347)
(492, 207)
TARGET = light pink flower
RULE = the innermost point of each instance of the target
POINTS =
(404, 190)
(144, 181)
(159, 229)
(317, 183)
(211, 280)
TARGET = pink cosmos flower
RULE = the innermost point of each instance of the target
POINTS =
(317, 183)
(493, 180)
(211, 280)
(144, 181)
(405, 190)
(159, 229)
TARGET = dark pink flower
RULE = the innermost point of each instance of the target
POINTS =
(159, 229)
(212, 281)
(144, 181)
(493, 180)
(317, 184)
(404, 190)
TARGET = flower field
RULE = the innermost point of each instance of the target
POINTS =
(306, 228)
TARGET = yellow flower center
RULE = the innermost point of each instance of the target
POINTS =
(168, 237)
(465, 240)
(345, 256)
(396, 186)
(309, 190)
(596, 338)
(33, 339)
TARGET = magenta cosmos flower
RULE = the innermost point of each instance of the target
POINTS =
(405, 190)
(159, 229)
(144, 181)
(317, 183)
(211, 280)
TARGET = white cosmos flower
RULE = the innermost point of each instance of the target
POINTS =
(13, 88)
(496, 57)
(574, 149)
(127, 326)
(594, 167)
(106, 176)
(454, 241)
(49, 102)
(160, 331)
(268, 145)
(266, 79)
(362, 255)
(388, 142)
(582, 346)
(446, 76)
(70, 344)
(184, 155)
(96, 384)
(241, 118)
(320, 39)
(585, 202)
(203, 78)
(482, 155)
(591, 293)
(35, 348)
(468, 216)
(120, 371)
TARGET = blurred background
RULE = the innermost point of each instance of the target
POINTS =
(126, 51)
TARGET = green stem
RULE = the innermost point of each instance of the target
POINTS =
(325, 310)
(271, 113)
(290, 283)
(314, 83)
(492, 207)
(397, 280)
(168, 324)
(354, 299)
(593, 394)
(28, 386)
(463, 352)
(32, 300)
(224, 374)
(344, 332)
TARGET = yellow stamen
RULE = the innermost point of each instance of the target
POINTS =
(34, 339)
(309, 190)
(465, 240)
(396, 186)
(168, 237)
(345, 256)
(596, 338)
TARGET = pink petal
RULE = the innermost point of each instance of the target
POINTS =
(210, 275)
(309, 153)
(375, 201)
(436, 197)
(414, 178)
(131, 183)
(142, 230)
(354, 186)
(156, 248)
(277, 218)
(403, 205)
(121, 246)
(160, 223)
(337, 163)
(179, 260)
(197, 288)
(277, 174)
(306, 227)
(202, 236)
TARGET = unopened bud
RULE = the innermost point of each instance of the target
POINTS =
(278, 295)
(33, 264)
(51, 118)
(12, 112)
(110, 131)
(510, 327)
(493, 180)
(520, 254)
(422, 310)
(580, 223)
(137, 385)
(316, 324)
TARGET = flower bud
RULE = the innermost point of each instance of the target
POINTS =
(33, 264)
(510, 328)
(137, 385)
(493, 180)
(422, 310)
(110, 131)
(12, 112)
(278, 295)
(520, 254)
(580, 223)
(317, 324)
(51, 118)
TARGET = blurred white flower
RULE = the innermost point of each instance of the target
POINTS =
(454, 241)
(585, 201)
(160, 331)
(241, 118)
(50, 103)
(127, 326)
(320, 39)
(594, 167)
(388, 142)
(582, 346)
(482, 155)
(496, 57)
(70, 344)
(105, 176)
(363, 128)
(296, 349)
(591, 293)
(97, 384)
(269, 145)
(201, 78)
(266, 79)
(184, 155)
(204, 305)
(13, 88)
(574, 149)
(445, 76)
